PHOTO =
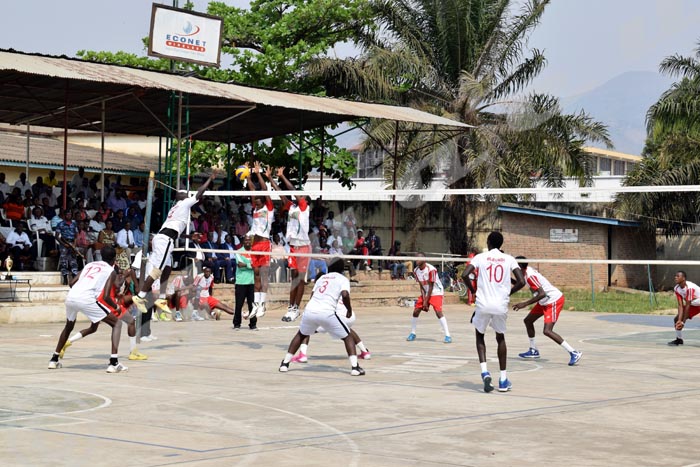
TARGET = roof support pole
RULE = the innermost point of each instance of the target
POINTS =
(26, 170)
(102, 152)
(301, 156)
(323, 153)
(65, 150)
(179, 136)
(393, 183)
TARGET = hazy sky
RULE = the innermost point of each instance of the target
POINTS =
(587, 42)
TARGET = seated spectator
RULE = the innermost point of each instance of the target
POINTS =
(40, 225)
(38, 188)
(14, 207)
(138, 235)
(399, 268)
(20, 248)
(134, 216)
(118, 220)
(23, 184)
(82, 243)
(117, 201)
(125, 242)
(374, 248)
(107, 237)
(336, 249)
(328, 222)
(48, 210)
(278, 259)
(231, 244)
(51, 179)
(4, 186)
(360, 248)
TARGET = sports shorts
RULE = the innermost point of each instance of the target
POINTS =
(211, 302)
(300, 263)
(331, 322)
(259, 261)
(93, 310)
(481, 320)
(550, 311)
(435, 301)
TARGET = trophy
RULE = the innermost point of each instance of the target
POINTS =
(8, 265)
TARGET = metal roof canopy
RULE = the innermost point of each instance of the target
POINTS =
(572, 217)
(35, 88)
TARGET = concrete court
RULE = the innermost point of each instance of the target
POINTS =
(211, 396)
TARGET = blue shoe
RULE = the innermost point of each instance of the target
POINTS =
(575, 357)
(505, 385)
(486, 378)
(448, 340)
(411, 337)
(531, 353)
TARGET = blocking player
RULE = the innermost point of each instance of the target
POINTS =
(205, 281)
(431, 294)
(96, 278)
(321, 311)
(688, 296)
(263, 215)
(493, 290)
(550, 302)
(298, 239)
(161, 256)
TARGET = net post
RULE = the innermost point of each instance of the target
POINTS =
(592, 286)
(146, 239)
(652, 296)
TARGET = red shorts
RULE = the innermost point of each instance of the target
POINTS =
(300, 263)
(694, 310)
(550, 312)
(435, 301)
(180, 303)
(211, 302)
(258, 261)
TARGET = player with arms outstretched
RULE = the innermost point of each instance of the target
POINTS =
(263, 215)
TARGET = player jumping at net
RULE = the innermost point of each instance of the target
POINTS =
(298, 239)
(688, 296)
(549, 303)
(431, 294)
(121, 295)
(321, 311)
(263, 215)
(161, 257)
(493, 290)
(96, 279)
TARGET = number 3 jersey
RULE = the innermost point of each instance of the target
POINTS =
(493, 280)
(327, 291)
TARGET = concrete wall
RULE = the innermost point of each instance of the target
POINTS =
(683, 248)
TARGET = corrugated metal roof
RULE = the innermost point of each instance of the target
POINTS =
(37, 85)
(613, 154)
(48, 153)
(573, 217)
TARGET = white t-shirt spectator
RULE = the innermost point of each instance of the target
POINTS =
(14, 239)
(42, 223)
(23, 186)
(125, 238)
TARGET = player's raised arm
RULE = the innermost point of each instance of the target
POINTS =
(287, 184)
(205, 185)
(275, 186)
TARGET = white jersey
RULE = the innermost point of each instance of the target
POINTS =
(536, 280)
(691, 293)
(493, 281)
(298, 224)
(91, 282)
(427, 275)
(179, 214)
(327, 292)
(262, 220)
(205, 283)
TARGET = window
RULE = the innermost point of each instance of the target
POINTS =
(604, 167)
(619, 168)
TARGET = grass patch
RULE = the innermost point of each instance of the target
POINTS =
(612, 301)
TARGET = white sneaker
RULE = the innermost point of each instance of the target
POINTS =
(261, 310)
(196, 317)
(178, 316)
(294, 314)
(140, 303)
(245, 314)
(147, 339)
(54, 365)
(118, 368)
(255, 310)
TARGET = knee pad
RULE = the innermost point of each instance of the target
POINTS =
(155, 273)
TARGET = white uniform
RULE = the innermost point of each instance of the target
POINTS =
(262, 220)
(492, 289)
(161, 254)
(321, 309)
(536, 280)
(691, 293)
(427, 275)
(341, 311)
(82, 297)
(205, 284)
(298, 224)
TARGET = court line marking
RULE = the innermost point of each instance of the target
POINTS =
(106, 402)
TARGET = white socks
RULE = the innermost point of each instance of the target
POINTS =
(532, 343)
(504, 375)
(362, 347)
(263, 297)
(567, 347)
(132, 343)
(75, 337)
(483, 367)
(414, 323)
(353, 360)
(287, 358)
(256, 297)
(142, 295)
(304, 348)
(679, 334)
(443, 323)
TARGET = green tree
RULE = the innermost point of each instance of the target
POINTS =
(467, 60)
(671, 153)
(268, 44)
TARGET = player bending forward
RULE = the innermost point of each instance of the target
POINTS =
(431, 293)
(688, 296)
(550, 302)
(95, 279)
(493, 290)
(205, 282)
(320, 311)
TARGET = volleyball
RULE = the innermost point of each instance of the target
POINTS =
(242, 172)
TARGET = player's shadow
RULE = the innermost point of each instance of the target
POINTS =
(320, 368)
(468, 385)
(250, 345)
(88, 366)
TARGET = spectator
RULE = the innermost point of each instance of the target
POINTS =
(125, 242)
(105, 238)
(66, 231)
(14, 208)
(117, 201)
(134, 216)
(398, 267)
(84, 189)
(38, 188)
(245, 287)
(138, 235)
(51, 179)
(118, 220)
(82, 241)
(278, 259)
(77, 180)
(23, 184)
(231, 244)
(41, 226)
(374, 248)
(360, 248)
(20, 247)
(329, 221)
(4, 186)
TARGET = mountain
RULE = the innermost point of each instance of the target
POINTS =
(622, 103)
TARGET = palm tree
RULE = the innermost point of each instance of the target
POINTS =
(672, 153)
(467, 60)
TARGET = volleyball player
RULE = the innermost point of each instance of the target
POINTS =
(549, 303)
(298, 239)
(96, 278)
(493, 289)
(431, 294)
(263, 215)
(161, 257)
(205, 282)
(688, 296)
(321, 311)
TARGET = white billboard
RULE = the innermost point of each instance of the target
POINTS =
(185, 35)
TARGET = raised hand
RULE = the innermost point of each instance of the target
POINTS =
(280, 172)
